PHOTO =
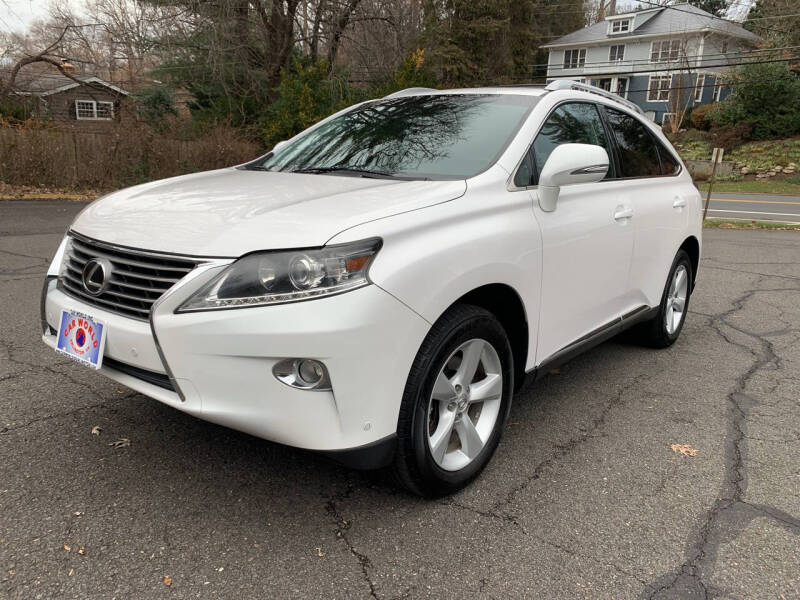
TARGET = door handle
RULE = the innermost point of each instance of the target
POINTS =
(623, 212)
(679, 203)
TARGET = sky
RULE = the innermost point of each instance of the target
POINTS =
(17, 15)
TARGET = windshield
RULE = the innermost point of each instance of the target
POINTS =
(420, 137)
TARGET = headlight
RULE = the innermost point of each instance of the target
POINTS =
(287, 276)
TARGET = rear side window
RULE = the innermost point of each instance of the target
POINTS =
(638, 156)
(574, 123)
(669, 166)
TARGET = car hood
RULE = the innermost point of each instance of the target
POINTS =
(230, 212)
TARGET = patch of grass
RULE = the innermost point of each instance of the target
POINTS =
(730, 224)
(786, 187)
(767, 153)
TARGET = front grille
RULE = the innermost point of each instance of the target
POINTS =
(137, 279)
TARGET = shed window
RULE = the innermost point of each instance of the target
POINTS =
(91, 110)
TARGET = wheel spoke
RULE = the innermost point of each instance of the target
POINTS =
(680, 279)
(443, 389)
(489, 388)
(441, 437)
(471, 442)
(469, 362)
(670, 313)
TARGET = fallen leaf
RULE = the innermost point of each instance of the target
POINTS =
(71, 572)
(167, 580)
(123, 443)
(320, 553)
(120, 390)
(78, 513)
(82, 551)
(67, 547)
(96, 430)
(221, 569)
(684, 449)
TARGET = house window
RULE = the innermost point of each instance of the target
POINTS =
(91, 110)
(574, 59)
(665, 51)
(698, 90)
(717, 90)
(620, 25)
(616, 53)
(658, 90)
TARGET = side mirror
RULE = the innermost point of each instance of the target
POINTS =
(569, 164)
(279, 145)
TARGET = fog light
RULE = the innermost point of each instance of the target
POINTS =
(302, 373)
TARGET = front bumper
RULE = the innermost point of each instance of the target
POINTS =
(220, 362)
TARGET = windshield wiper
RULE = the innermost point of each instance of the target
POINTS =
(353, 171)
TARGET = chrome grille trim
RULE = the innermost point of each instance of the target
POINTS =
(137, 280)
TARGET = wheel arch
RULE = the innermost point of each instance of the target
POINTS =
(692, 247)
(505, 303)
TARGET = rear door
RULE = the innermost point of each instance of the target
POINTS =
(655, 194)
(587, 240)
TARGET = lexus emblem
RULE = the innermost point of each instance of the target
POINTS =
(95, 276)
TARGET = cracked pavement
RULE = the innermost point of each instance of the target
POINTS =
(584, 498)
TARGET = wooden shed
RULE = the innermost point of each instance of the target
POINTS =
(88, 103)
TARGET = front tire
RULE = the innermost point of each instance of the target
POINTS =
(663, 330)
(455, 404)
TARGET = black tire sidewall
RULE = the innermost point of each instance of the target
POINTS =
(484, 326)
(681, 258)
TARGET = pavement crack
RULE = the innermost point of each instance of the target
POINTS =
(342, 528)
(729, 515)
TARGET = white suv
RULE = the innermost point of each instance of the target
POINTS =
(378, 286)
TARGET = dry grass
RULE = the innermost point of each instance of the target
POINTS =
(124, 155)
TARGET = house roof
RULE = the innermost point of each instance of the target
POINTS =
(674, 19)
(45, 84)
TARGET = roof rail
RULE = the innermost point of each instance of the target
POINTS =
(566, 84)
(413, 91)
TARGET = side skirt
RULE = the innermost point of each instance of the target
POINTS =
(590, 340)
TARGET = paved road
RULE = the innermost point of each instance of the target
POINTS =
(585, 498)
(754, 207)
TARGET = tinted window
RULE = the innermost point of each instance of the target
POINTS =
(638, 156)
(576, 123)
(668, 163)
(446, 136)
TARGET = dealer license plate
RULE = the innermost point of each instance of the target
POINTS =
(81, 338)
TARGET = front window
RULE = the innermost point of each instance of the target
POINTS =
(574, 59)
(658, 90)
(573, 123)
(665, 51)
(616, 53)
(92, 110)
(447, 136)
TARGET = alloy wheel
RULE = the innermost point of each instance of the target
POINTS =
(676, 299)
(465, 404)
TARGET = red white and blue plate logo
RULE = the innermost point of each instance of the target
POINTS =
(81, 338)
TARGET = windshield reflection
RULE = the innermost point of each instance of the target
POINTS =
(438, 136)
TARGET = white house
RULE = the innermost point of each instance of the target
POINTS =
(651, 56)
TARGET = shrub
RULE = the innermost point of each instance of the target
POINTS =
(765, 96)
(307, 93)
(699, 117)
(730, 137)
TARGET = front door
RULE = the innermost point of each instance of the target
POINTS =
(587, 240)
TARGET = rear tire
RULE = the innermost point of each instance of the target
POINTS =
(455, 404)
(663, 330)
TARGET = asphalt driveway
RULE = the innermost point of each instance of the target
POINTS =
(586, 496)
